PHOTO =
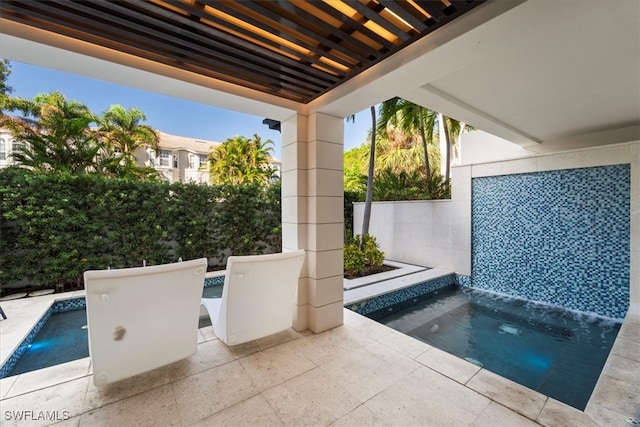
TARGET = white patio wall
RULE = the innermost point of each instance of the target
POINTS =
(438, 233)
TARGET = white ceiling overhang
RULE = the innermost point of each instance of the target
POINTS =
(535, 72)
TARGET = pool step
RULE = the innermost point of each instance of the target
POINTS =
(424, 315)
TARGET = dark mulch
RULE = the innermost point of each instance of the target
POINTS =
(369, 271)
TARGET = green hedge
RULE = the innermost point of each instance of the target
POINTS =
(350, 197)
(54, 227)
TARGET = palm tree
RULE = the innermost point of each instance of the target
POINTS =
(53, 132)
(369, 196)
(450, 131)
(241, 160)
(409, 118)
(398, 113)
(398, 151)
(123, 133)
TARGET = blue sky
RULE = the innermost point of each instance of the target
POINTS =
(171, 115)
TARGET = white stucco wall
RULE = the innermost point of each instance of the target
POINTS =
(432, 233)
(416, 232)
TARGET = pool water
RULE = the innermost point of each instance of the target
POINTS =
(64, 337)
(556, 352)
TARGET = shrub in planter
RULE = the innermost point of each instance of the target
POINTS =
(362, 256)
(374, 257)
(354, 259)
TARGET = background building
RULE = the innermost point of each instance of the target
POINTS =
(178, 158)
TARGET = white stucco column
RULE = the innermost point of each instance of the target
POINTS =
(312, 215)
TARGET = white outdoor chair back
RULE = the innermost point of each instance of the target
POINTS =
(258, 296)
(142, 318)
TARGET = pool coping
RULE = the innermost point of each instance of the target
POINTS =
(606, 402)
(377, 288)
(23, 315)
(512, 396)
(401, 269)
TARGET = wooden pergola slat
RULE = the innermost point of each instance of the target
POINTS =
(280, 48)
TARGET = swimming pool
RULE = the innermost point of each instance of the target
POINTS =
(61, 335)
(556, 352)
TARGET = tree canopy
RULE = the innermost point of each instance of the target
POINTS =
(55, 134)
(241, 160)
(407, 154)
(5, 70)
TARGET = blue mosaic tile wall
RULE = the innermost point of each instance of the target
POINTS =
(387, 300)
(213, 281)
(559, 237)
(463, 280)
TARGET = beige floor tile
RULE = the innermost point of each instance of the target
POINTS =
(622, 369)
(209, 355)
(510, 394)
(350, 316)
(71, 422)
(209, 392)
(606, 417)
(427, 398)
(248, 348)
(619, 396)
(369, 370)
(6, 384)
(557, 414)
(253, 412)
(277, 339)
(243, 350)
(59, 401)
(449, 365)
(276, 365)
(626, 348)
(371, 328)
(361, 417)
(207, 333)
(311, 399)
(630, 329)
(50, 376)
(156, 407)
(331, 344)
(114, 392)
(405, 344)
(497, 415)
(22, 315)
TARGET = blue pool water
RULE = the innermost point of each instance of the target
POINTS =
(556, 352)
(64, 337)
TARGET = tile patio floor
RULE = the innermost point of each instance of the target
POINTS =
(358, 374)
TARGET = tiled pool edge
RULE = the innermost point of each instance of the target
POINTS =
(591, 411)
(398, 296)
(67, 303)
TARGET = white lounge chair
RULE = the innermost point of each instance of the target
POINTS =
(142, 318)
(258, 297)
